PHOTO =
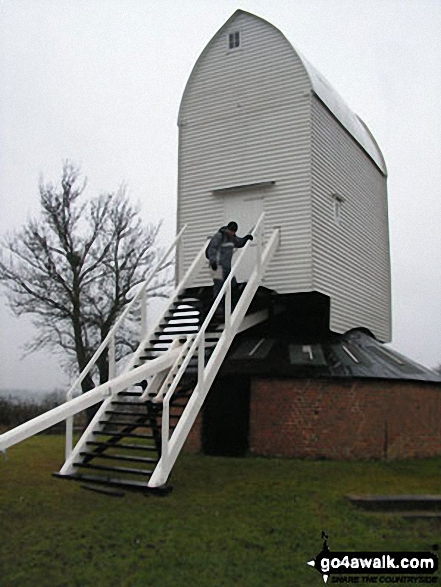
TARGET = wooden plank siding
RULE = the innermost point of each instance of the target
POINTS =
(244, 118)
(350, 258)
(253, 114)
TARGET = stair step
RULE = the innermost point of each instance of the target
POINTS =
(123, 483)
(120, 423)
(193, 360)
(187, 313)
(125, 470)
(119, 413)
(181, 321)
(130, 393)
(139, 425)
(119, 457)
(175, 323)
(106, 445)
(184, 328)
(149, 354)
(209, 346)
(146, 358)
(116, 402)
(124, 434)
(210, 336)
(177, 332)
(162, 346)
(163, 341)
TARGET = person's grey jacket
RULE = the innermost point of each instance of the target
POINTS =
(221, 247)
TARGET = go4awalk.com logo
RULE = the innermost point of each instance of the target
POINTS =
(375, 567)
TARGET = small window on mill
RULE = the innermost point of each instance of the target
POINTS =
(337, 202)
(234, 40)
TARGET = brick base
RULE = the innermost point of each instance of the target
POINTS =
(345, 419)
(193, 443)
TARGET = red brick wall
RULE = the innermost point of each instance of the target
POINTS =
(345, 419)
(193, 444)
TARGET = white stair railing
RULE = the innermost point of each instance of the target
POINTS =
(88, 399)
(199, 338)
(136, 357)
(171, 446)
(175, 360)
(182, 355)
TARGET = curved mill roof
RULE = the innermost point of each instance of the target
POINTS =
(322, 88)
(352, 123)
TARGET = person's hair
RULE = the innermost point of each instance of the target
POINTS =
(232, 226)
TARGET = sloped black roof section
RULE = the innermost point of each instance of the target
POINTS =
(296, 341)
(353, 354)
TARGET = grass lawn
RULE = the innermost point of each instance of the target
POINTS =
(229, 522)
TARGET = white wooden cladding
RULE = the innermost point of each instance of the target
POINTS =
(243, 117)
(350, 258)
(250, 115)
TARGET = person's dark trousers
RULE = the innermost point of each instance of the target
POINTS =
(217, 286)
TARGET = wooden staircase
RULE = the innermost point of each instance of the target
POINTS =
(127, 448)
(126, 445)
(147, 411)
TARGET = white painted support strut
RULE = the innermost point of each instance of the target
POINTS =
(143, 313)
(112, 358)
(68, 445)
(86, 400)
(54, 416)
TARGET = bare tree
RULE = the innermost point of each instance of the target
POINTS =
(73, 267)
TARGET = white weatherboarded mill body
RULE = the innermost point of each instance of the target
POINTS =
(262, 130)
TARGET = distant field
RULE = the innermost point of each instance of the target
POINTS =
(229, 522)
(28, 395)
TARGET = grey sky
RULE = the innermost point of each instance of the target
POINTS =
(100, 82)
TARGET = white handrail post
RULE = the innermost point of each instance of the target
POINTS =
(143, 312)
(228, 306)
(112, 372)
(165, 431)
(201, 359)
(69, 427)
(259, 247)
(69, 437)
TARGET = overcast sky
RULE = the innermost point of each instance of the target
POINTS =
(100, 82)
